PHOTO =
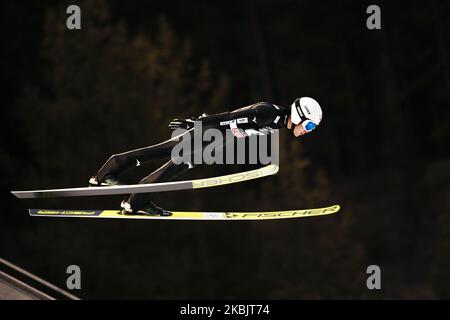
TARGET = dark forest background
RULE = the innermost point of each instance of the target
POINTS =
(72, 98)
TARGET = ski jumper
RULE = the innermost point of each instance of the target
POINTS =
(258, 118)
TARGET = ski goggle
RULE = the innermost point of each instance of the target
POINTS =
(308, 125)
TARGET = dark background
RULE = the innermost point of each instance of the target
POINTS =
(72, 98)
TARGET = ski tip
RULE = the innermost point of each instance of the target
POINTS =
(276, 168)
(334, 208)
(328, 210)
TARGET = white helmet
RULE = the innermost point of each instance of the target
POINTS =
(306, 111)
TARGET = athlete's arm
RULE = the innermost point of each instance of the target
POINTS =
(257, 115)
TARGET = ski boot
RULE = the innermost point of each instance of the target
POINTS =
(109, 181)
(151, 209)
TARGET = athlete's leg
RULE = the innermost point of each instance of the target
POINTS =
(119, 163)
(167, 172)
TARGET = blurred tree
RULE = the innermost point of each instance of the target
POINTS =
(106, 93)
(114, 85)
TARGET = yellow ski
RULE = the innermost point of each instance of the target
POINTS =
(180, 215)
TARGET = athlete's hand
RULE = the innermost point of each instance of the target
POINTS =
(181, 124)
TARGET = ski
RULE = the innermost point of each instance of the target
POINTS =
(270, 169)
(179, 215)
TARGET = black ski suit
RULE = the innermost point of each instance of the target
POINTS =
(261, 117)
